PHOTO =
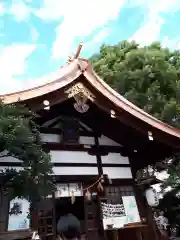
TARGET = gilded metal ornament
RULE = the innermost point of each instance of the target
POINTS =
(81, 95)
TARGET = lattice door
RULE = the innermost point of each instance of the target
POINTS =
(92, 217)
(46, 220)
(92, 220)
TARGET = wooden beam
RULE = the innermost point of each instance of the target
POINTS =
(55, 122)
(98, 157)
(90, 179)
(59, 131)
(65, 164)
(83, 148)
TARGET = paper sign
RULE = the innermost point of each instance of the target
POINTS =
(131, 209)
(19, 221)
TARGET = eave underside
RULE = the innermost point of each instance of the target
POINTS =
(135, 144)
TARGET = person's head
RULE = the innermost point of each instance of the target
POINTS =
(161, 213)
(69, 227)
(70, 234)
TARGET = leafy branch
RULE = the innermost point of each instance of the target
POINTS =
(20, 138)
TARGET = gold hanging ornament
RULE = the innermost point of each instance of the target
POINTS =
(109, 180)
(88, 195)
(73, 198)
(102, 180)
(100, 187)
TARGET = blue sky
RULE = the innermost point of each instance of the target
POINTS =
(37, 36)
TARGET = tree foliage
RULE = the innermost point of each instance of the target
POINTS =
(148, 76)
(20, 138)
(170, 204)
(173, 172)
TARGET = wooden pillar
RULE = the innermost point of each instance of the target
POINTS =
(98, 156)
(144, 209)
(92, 217)
(4, 211)
(140, 200)
(43, 219)
(153, 234)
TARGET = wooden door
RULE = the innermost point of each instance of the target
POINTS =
(46, 220)
(92, 220)
(92, 217)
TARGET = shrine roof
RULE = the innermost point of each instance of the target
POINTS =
(81, 67)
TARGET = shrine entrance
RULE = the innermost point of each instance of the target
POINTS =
(61, 203)
(64, 206)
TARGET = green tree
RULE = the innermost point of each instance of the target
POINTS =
(170, 205)
(20, 138)
(147, 76)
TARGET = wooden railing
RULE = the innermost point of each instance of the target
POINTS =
(17, 235)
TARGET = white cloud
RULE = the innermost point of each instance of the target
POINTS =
(78, 19)
(52, 10)
(171, 43)
(34, 33)
(2, 9)
(101, 35)
(150, 31)
(20, 10)
(99, 38)
(159, 6)
(13, 63)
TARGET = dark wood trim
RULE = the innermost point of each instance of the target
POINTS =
(75, 178)
(55, 122)
(98, 157)
(89, 179)
(90, 165)
(10, 164)
(122, 182)
(62, 147)
(59, 131)
(137, 191)
(116, 165)
(56, 164)
(92, 149)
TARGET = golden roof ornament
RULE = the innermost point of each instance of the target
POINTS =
(81, 95)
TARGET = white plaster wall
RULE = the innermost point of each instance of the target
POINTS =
(87, 140)
(103, 140)
(9, 159)
(72, 157)
(67, 170)
(75, 170)
(114, 158)
(118, 172)
(46, 137)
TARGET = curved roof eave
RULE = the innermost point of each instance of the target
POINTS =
(57, 80)
(69, 73)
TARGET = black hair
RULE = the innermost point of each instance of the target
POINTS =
(69, 226)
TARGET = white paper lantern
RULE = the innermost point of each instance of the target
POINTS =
(152, 197)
